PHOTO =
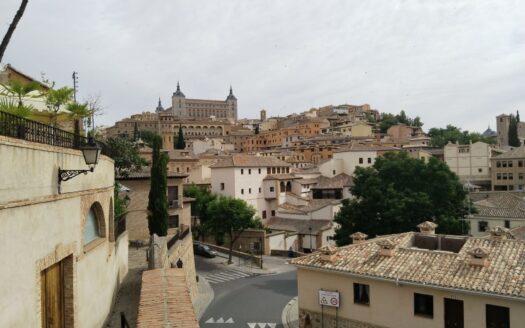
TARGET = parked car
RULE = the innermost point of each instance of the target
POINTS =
(203, 250)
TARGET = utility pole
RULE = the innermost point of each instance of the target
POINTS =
(75, 85)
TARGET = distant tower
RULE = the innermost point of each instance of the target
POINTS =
(231, 100)
(178, 102)
(159, 107)
(263, 115)
(502, 128)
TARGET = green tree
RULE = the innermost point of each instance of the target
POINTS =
(388, 120)
(136, 133)
(514, 140)
(147, 137)
(199, 207)
(125, 153)
(257, 129)
(230, 216)
(180, 140)
(12, 27)
(77, 112)
(56, 99)
(439, 137)
(158, 198)
(14, 95)
(397, 193)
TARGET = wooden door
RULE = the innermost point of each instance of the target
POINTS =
(453, 313)
(52, 297)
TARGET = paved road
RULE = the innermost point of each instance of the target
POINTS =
(252, 302)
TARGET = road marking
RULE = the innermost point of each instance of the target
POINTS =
(221, 320)
(210, 320)
(226, 275)
(229, 321)
(261, 324)
(252, 324)
(272, 325)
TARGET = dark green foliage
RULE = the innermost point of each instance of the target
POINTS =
(388, 120)
(230, 216)
(147, 137)
(158, 198)
(136, 133)
(120, 203)
(514, 140)
(257, 129)
(398, 193)
(439, 137)
(199, 207)
(180, 140)
(125, 153)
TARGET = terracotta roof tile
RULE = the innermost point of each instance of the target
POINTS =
(241, 160)
(505, 274)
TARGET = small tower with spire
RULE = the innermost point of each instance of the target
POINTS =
(178, 103)
(231, 100)
(159, 107)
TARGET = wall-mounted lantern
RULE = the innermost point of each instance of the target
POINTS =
(91, 153)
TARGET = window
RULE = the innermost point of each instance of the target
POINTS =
(242, 191)
(520, 176)
(242, 171)
(369, 160)
(520, 163)
(273, 212)
(510, 164)
(264, 214)
(222, 185)
(333, 171)
(424, 305)
(259, 171)
(259, 190)
(498, 164)
(187, 169)
(271, 189)
(482, 226)
(249, 171)
(507, 224)
(498, 176)
(173, 221)
(91, 231)
(504, 164)
(497, 316)
(480, 170)
(360, 160)
(361, 294)
(249, 190)
(511, 176)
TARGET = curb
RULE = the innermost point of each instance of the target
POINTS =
(208, 298)
(284, 315)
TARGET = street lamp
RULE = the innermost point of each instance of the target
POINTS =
(91, 152)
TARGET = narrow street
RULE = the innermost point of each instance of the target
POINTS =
(244, 299)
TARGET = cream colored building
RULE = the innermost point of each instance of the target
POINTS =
(183, 107)
(496, 208)
(261, 181)
(62, 257)
(508, 170)
(470, 162)
(414, 280)
(359, 129)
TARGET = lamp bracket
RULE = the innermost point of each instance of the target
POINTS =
(64, 175)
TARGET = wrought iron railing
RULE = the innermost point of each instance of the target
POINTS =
(22, 128)
(120, 227)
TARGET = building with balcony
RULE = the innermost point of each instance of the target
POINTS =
(261, 181)
(59, 238)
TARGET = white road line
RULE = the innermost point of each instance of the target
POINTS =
(210, 320)
(240, 273)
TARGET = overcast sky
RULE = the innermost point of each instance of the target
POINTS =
(457, 61)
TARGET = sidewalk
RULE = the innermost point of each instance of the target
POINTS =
(290, 316)
(204, 296)
(271, 264)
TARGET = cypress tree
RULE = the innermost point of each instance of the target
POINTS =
(180, 140)
(136, 134)
(514, 140)
(158, 198)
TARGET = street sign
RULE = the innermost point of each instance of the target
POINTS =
(329, 298)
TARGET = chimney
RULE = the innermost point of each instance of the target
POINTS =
(499, 233)
(386, 247)
(427, 227)
(358, 237)
(328, 254)
(478, 257)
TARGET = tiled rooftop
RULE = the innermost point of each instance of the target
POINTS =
(240, 160)
(504, 275)
(337, 182)
(165, 300)
(298, 225)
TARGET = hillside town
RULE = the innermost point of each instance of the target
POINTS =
(191, 213)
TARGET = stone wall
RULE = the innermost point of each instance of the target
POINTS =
(183, 250)
(310, 319)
